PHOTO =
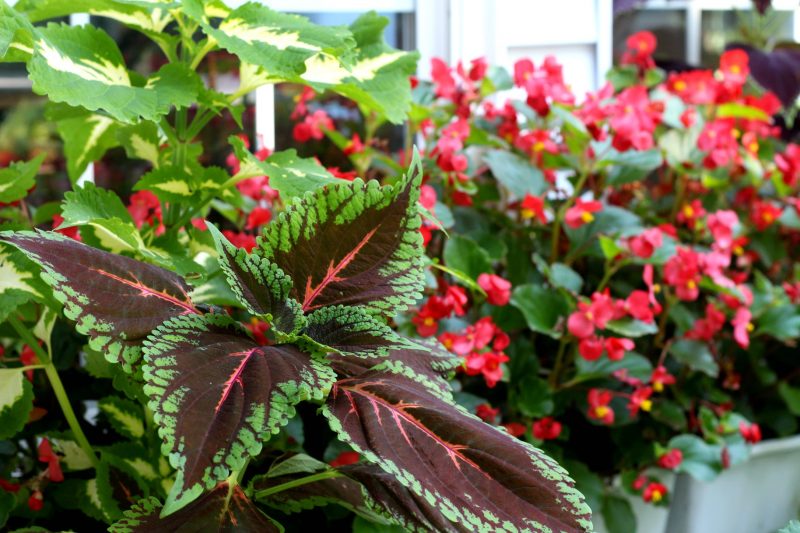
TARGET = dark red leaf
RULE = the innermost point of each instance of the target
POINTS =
(224, 509)
(115, 300)
(258, 284)
(475, 475)
(214, 394)
(351, 243)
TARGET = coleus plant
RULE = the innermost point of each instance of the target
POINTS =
(324, 278)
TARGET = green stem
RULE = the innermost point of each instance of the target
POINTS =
(558, 365)
(29, 367)
(209, 45)
(58, 387)
(327, 474)
(610, 270)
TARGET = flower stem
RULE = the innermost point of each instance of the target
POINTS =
(58, 387)
(327, 474)
(559, 363)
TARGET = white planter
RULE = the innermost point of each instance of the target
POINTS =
(758, 496)
(649, 518)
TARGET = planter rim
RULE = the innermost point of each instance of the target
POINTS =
(771, 446)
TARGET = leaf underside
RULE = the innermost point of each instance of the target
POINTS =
(224, 509)
(215, 394)
(476, 476)
(351, 244)
(115, 300)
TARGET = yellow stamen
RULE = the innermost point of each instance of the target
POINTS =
(646, 405)
(688, 211)
(601, 411)
(587, 217)
(658, 386)
(680, 85)
(527, 214)
(750, 327)
(656, 496)
(538, 147)
(429, 321)
(656, 288)
(691, 284)
(738, 250)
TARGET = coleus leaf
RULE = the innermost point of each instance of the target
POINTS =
(426, 362)
(17, 178)
(280, 43)
(226, 508)
(352, 243)
(87, 135)
(352, 332)
(215, 394)
(259, 285)
(16, 401)
(142, 17)
(115, 300)
(475, 475)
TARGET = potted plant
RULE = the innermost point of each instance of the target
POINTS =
(616, 273)
(159, 373)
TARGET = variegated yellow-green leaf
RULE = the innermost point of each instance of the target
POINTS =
(280, 43)
(125, 416)
(378, 78)
(87, 136)
(16, 403)
(18, 283)
(141, 141)
(17, 178)
(149, 17)
(16, 36)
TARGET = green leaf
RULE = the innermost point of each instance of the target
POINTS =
(89, 203)
(700, 459)
(17, 178)
(290, 175)
(17, 406)
(733, 110)
(149, 17)
(7, 503)
(695, 355)
(87, 136)
(125, 416)
(174, 85)
(609, 247)
(791, 396)
(11, 387)
(465, 255)
(637, 366)
(618, 514)
(622, 77)
(631, 165)
(563, 276)
(669, 413)
(544, 309)
(781, 322)
(168, 183)
(17, 281)
(515, 173)
(141, 141)
(82, 66)
(534, 398)
(629, 327)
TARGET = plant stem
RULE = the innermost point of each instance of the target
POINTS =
(297, 483)
(58, 387)
(610, 270)
(559, 363)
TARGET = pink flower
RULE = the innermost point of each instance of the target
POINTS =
(721, 225)
(644, 244)
(616, 347)
(742, 327)
(533, 207)
(591, 348)
(599, 409)
(671, 459)
(581, 213)
(498, 290)
(488, 364)
(751, 432)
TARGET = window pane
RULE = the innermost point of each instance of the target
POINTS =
(724, 27)
(668, 25)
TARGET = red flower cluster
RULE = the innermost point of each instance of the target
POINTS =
(481, 344)
(543, 85)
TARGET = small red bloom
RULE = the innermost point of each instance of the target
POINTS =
(498, 290)
(533, 207)
(671, 459)
(9, 486)
(751, 433)
(547, 428)
(721, 225)
(258, 217)
(725, 458)
(515, 429)
(637, 304)
(640, 399)
(240, 240)
(654, 492)
(616, 347)
(426, 322)
(682, 271)
(644, 244)
(599, 409)
(488, 364)
(661, 377)
(36, 501)
(258, 329)
(46, 455)
(72, 233)
(764, 214)
(581, 213)
(734, 65)
(345, 458)
(487, 413)
(742, 327)
(690, 213)
(28, 357)
(355, 146)
(591, 348)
